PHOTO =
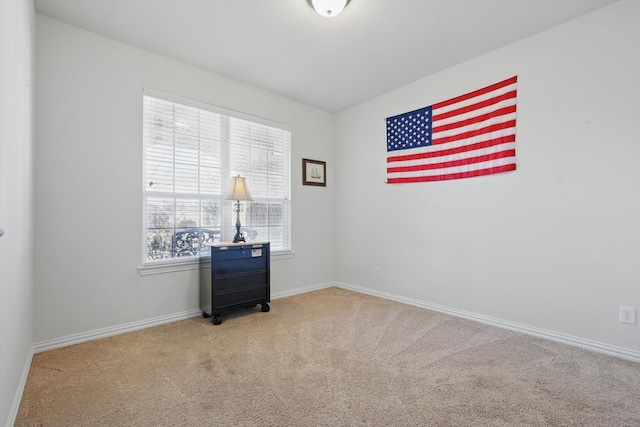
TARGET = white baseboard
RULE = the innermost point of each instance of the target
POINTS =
(611, 350)
(595, 346)
(113, 330)
(302, 290)
(13, 411)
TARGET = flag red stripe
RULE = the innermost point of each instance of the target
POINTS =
(454, 163)
(472, 133)
(475, 93)
(496, 113)
(473, 107)
(457, 175)
(448, 151)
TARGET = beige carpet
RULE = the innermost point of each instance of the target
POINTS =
(329, 358)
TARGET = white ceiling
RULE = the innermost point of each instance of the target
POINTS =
(283, 46)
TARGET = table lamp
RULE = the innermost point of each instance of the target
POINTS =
(238, 190)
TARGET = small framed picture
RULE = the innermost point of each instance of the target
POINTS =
(314, 172)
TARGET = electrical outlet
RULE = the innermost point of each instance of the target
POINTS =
(376, 272)
(628, 315)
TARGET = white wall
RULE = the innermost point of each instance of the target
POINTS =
(88, 182)
(554, 245)
(17, 24)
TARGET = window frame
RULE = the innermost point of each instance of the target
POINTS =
(202, 260)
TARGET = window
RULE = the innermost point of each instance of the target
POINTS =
(191, 151)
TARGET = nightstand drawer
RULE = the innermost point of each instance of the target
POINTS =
(236, 281)
(240, 297)
(237, 266)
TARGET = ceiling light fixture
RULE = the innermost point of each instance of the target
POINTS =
(328, 8)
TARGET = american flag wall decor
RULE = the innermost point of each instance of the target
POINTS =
(466, 136)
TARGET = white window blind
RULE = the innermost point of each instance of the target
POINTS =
(191, 151)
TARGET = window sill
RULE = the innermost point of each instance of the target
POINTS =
(193, 264)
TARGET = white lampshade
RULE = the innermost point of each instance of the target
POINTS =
(328, 8)
(238, 189)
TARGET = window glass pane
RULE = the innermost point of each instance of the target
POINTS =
(261, 233)
(211, 214)
(187, 213)
(159, 244)
(277, 236)
(276, 214)
(259, 214)
(210, 170)
(159, 213)
(159, 168)
(190, 242)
